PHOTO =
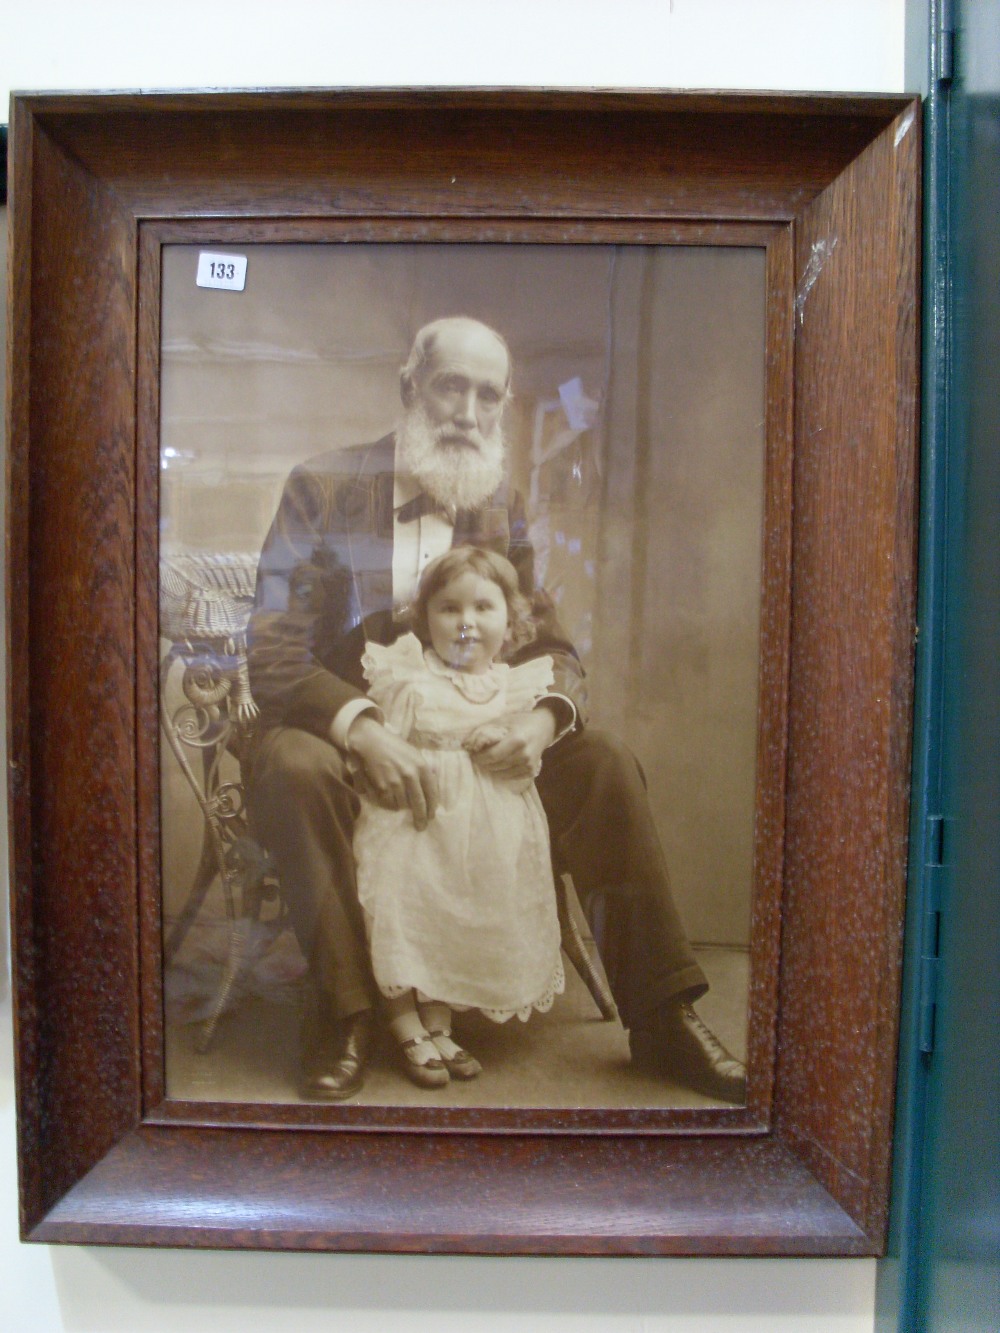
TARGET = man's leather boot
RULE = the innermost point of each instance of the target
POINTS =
(334, 1051)
(678, 1044)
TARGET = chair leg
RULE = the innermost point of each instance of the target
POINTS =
(253, 884)
(232, 973)
(578, 954)
(204, 877)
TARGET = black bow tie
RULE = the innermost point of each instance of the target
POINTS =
(419, 506)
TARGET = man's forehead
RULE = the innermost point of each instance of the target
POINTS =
(471, 348)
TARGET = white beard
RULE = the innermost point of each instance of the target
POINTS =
(457, 476)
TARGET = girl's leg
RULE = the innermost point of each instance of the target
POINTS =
(421, 1059)
(436, 1018)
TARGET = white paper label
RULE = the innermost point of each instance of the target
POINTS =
(229, 272)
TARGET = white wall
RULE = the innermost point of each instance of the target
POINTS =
(841, 45)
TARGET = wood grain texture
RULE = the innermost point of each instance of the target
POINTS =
(73, 658)
(454, 1193)
(147, 579)
(851, 670)
(839, 177)
(635, 155)
(772, 709)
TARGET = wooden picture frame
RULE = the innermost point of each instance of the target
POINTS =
(99, 184)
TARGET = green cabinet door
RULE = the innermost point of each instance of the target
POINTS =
(943, 1272)
(959, 1225)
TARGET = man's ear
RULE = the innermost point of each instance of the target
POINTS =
(407, 389)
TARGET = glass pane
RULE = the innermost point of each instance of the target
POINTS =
(634, 438)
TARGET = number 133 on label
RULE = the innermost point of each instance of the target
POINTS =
(226, 271)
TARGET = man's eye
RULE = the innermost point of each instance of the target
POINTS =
(490, 397)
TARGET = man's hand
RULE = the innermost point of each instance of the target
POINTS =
(518, 754)
(395, 772)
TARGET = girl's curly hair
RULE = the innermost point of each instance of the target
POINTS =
(487, 565)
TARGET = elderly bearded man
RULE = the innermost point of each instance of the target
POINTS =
(353, 531)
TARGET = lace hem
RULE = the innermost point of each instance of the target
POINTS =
(556, 986)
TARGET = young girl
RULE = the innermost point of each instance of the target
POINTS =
(461, 914)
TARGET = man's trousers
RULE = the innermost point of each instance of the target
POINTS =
(302, 808)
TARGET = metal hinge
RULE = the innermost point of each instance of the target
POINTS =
(930, 945)
(945, 54)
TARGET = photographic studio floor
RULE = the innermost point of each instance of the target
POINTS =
(568, 1057)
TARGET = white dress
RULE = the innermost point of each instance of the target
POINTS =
(463, 911)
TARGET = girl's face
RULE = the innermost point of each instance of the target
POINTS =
(467, 620)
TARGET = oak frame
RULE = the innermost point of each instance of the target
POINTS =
(96, 178)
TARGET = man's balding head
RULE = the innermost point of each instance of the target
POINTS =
(454, 335)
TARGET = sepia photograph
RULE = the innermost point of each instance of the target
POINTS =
(461, 589)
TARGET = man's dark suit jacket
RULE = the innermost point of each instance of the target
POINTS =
(324, 587)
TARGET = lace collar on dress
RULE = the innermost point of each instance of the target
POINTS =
(477, 688)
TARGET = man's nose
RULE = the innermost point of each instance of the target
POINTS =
(465, 411)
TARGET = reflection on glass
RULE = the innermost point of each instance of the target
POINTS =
(635, 436)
